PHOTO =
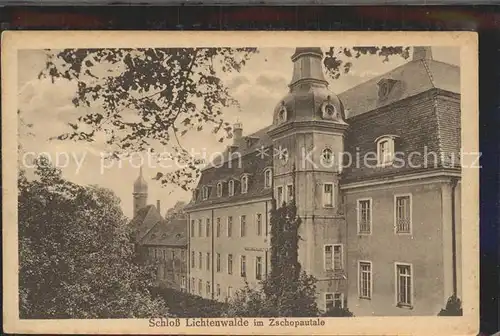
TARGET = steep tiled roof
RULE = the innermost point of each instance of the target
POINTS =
(251, 163)
(410, 79)
(246, 145)
(167, 233)
(144, 221)
(424, 124)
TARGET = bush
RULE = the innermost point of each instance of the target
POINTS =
(453, 307)
(183, 304)
(338, 312)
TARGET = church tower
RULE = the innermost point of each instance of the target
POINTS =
(140, 193)
(308, 141)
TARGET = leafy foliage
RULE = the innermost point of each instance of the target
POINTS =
(76, 260)
(453, 307)
(183, 304)
(287, 291)
(143, 99)
(147, 99)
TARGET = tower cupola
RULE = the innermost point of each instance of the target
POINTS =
(309, 98)
(140, 184)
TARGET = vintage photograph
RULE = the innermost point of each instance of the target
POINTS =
(286, 185)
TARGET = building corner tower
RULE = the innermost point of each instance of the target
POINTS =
(308, 139)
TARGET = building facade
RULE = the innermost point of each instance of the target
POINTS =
(160, 242)
(375, 174)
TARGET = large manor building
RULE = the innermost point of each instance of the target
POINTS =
(375, 173)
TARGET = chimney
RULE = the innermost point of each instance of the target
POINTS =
(308, 66)
(420, 53)
(238, 132)
(158, 206)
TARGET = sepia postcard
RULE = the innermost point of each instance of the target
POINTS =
(267, 183)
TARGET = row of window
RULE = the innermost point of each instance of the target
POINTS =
(284, 197)
(161, 254)
(244, 180)
(402, 214)
(207, 230)
(208, 289)
(229, 263)
(403, 282)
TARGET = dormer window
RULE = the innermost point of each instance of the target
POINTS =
(230, 187)
(282, 114)
(219, 189)
(244, 184)
(205, 193)
(385, 86)
(268, 178)
(385, 149)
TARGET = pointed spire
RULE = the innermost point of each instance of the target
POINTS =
(140, 185)
(420, 53)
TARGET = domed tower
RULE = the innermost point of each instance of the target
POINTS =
(308, 139)
(140, 193)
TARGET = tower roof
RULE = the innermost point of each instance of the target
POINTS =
(140, 184)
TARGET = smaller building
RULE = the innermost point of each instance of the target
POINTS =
(160, 241)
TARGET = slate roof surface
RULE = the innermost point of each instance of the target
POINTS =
(144, 221)
(422, 109)
(412, 79)
(167, 233)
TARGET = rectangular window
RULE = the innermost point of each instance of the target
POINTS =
(183, 283)
(217, 230)
(193, 282)
(403, 214)
(200, 284)
(289, 193)
(229, 264)
(218, 262)
(193, 261)
(200, 261)
(219, 189)
(208, 228)
(268, 177)
(208, 289)
(208, 261)
(218, 290)
(229, 226)
(200, 228)
(258, 222)
(192, 228)
(243, 266)
(230, 187)
(333, 259)
(183, 255)
(404, 283)
(258, 268)
(229, 292)
(364, 216)
(365, 279)
(328, 195)
(334, 300)
(243, 225)
(279, 197)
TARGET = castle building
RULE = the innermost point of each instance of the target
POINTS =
(160, 241)
(375, 174)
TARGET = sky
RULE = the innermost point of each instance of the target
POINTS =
(258, 87)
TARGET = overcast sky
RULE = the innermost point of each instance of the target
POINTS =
(258, 87)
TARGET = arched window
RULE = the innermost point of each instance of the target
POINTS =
(230, 187)
(268, 178)
(205, 193)
(219, 189)
(385, 149)
(244, 184)
(327, 156)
